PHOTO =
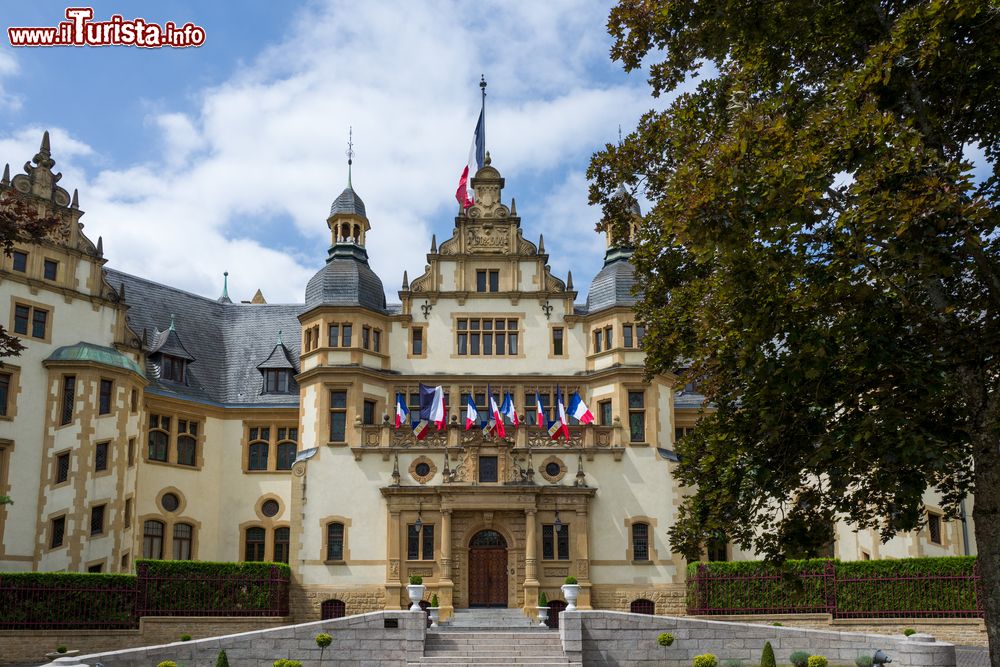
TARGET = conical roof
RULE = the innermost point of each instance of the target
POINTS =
(348, 203)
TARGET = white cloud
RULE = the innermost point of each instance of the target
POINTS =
(8, 68)
(245, 183)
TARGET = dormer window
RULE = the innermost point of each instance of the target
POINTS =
(172, 368)
(276, 380)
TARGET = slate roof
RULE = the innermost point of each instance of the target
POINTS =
(346, 280)
(348, 202)
(612, 286)
(227, 341)
(279, 358)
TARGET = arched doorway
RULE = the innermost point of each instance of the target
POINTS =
(487, 569)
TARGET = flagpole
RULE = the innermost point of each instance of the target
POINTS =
(482, 86)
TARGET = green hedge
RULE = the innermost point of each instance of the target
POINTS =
(187, 588)
(903, 587)
(46, 600)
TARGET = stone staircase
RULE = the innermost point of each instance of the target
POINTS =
(484, 637)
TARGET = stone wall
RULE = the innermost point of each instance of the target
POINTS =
(963, 631)
(30, 646)
(616, 638)
(357, 640)
(305, 600)
(670, 599)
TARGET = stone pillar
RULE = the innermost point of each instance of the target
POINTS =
(445, 585)
(393, 586)
(530, 562)
(582, 530)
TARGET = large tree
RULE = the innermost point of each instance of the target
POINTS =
(821, 257)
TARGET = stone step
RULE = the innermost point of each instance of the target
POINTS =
(493, 656)
(432, 661)
(499, 660)
(474, 640)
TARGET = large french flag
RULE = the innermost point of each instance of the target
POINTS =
(432, 405)
(578, 409)
(477, 155)
(402, 413)
(495, 415)
(508, 409)
(471, 414)
(560, 426)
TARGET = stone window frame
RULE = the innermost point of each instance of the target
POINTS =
(552, 341)
(16, 301)
(272, 444)
(194, 537)
(258, 509)
(102, 562)
(100, 397)
(323, 523)
(565, 530)
(327, 418)
(54, 472)
(45, 265)
(107, 460)
(143, 520)
(423, 341)
(563, 469)
(629, 388)
(521, 331)
(64, 419)
(128, 510)
(172, 434)
(106, 528)
(245, 529)
(422, 479)
(13, 389)
(939, 515)
(50, 522)
(181, 501)
(650, 521)
(269, 524)
(351, 343)
(13, 256)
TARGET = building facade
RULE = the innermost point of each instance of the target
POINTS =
(144, 421)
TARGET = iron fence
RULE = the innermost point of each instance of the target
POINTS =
(94, 605)
(824, 591)
(212, 594)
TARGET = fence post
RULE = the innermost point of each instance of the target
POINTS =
(141, 581)
(830, 575)
(701, 587)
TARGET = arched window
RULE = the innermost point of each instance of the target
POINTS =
(345, 231)
(187, 443)
(335, 541)
(281, 540)
(286, 455)
(183, 534)
(642, 607)
(254, 544)
(152, 539)
(640, 541)
(258, 456)
(357, 233)
(332, 609)
(159, 437)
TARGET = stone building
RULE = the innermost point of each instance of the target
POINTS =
(144, 421)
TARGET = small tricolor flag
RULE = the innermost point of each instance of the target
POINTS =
(539, 412)
(402, 413)
(560, 426)
(471, 414)
(432, 405)
(508, 409)
(579, 410)
(495, 415)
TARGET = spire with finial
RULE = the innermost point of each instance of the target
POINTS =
(76, 199)
(172, 323)
(350, 154)
(513, 206)
(541, 243)
(434, 243)
(225, 289)
(279, 338)
(100, 246)
(44, 150)
(6, 175)
(406, 281)
(569, 280)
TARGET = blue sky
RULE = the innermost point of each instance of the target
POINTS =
(194, 161)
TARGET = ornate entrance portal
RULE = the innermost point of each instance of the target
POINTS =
(487, 570)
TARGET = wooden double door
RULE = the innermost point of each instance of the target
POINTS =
(488, 570)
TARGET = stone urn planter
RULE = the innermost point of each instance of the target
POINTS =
(571, 591)
(543, 616)
(435, 613)
(416, 593)
(415, 590)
